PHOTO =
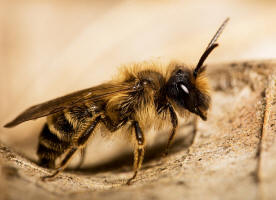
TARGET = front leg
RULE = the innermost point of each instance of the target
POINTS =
(174, 122)
(139, 150)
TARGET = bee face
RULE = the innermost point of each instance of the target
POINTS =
(183, 89)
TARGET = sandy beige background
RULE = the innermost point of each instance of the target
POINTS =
(49, 48)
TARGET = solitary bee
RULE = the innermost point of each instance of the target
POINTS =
(142, 96)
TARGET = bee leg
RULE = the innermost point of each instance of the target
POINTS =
(82, 156)
(174, 122)
(195, 122)
(63, 165)
(139, 150)
(80, 142)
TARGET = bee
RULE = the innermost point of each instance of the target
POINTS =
(141, 97)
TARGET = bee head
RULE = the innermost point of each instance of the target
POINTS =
(187, 88)
(188, 92)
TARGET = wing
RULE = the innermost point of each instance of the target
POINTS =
(94, 94)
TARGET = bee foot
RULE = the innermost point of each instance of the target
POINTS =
(51, 177)
(129, 181)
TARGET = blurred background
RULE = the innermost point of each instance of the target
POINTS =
(49, 48)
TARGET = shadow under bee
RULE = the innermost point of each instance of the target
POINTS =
(124, 161)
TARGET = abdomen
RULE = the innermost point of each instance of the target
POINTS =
(60, 132)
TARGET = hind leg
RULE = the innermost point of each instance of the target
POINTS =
(63, 164)
(81, 142)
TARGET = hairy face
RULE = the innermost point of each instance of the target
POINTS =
(183, 90)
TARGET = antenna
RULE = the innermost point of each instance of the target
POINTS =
(211, 46)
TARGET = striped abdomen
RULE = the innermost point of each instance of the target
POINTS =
(60, 132)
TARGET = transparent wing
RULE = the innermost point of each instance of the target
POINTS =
(94, 94)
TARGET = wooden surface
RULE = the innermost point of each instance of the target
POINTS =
(233, 155)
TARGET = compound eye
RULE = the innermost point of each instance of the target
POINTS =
(184, 88)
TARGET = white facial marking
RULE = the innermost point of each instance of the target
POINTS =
(184, 88)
